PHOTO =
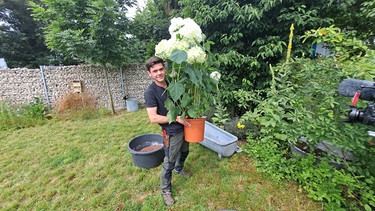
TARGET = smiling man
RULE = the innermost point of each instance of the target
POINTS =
(176, 149)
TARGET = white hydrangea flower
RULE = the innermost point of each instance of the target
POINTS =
(163, 49)
(187, 29)
(185, 35)
(176, 24)
(196, 55)
(215, 75)
(191, 35)
(180, 45)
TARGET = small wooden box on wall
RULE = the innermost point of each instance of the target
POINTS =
(76, 86)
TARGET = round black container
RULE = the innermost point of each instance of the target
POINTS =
(149, 159)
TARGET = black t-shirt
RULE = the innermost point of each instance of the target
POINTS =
(155, 96)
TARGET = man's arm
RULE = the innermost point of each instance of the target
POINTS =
(155, 117)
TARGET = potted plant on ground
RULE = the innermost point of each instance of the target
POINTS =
(192, 83)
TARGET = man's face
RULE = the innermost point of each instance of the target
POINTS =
(157, 72)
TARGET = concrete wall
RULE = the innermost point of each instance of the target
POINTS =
(20, 86)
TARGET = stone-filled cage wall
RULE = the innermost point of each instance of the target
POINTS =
(50, 83)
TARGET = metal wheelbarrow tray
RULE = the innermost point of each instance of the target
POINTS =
(219, 140)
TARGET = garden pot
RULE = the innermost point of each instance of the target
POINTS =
(147, 150)
(195, 133)
(303, 148)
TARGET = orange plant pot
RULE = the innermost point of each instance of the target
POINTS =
(195, 133)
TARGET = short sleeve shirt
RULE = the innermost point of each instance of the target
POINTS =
(155, 96)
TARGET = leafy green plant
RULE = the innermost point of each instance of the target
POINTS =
(16, 117)
(8, 116)
(240, 130)
(344, 46)
(36, 109)
(192, 83)
(303, 101)
(221, 116)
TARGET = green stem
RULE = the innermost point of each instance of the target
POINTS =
(195, 94)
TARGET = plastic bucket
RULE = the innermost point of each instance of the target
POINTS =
(147, 159)
(132, 104)
(3, 64)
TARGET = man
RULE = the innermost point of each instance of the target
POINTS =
(175, 147)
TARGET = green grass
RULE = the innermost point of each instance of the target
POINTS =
(85, 165)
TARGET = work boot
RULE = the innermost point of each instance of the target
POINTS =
(168, 199)
(182, 172)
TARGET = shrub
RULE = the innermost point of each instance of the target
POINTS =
(79, 106)
(303, 101)
(75, 101)
(16, 117)
(36, 110)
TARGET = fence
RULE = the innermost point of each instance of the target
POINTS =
(51, 83)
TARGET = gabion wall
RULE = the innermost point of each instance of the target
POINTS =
(20, 86)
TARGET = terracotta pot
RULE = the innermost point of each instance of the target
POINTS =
(195, 133)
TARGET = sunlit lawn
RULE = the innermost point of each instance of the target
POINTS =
(85, 165)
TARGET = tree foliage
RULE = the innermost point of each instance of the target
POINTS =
(20, 41)
(250, 35)
(92, 31)
(150, 26)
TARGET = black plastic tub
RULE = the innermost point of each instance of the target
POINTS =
(303, 148)
(148, 159)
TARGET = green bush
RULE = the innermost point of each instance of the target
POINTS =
(35, 110)
(16, 117)
(303, 101)
(8, 116)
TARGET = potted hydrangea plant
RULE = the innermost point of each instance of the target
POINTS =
(192, 84)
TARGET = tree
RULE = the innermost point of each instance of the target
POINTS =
(150, 26)
(251, 35)
(93, 31)
(20, 41)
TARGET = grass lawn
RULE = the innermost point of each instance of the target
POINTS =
(85, 165)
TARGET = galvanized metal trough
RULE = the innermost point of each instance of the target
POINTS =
(219, 140)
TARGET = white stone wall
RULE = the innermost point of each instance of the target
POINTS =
(20, 86)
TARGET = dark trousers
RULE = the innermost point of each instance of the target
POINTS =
(175, 156)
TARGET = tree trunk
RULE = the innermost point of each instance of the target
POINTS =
(109, 90)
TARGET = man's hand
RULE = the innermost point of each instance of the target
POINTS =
(183, 122)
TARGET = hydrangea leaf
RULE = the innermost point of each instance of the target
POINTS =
(176, 89)
(178, 56)
(193, 74)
